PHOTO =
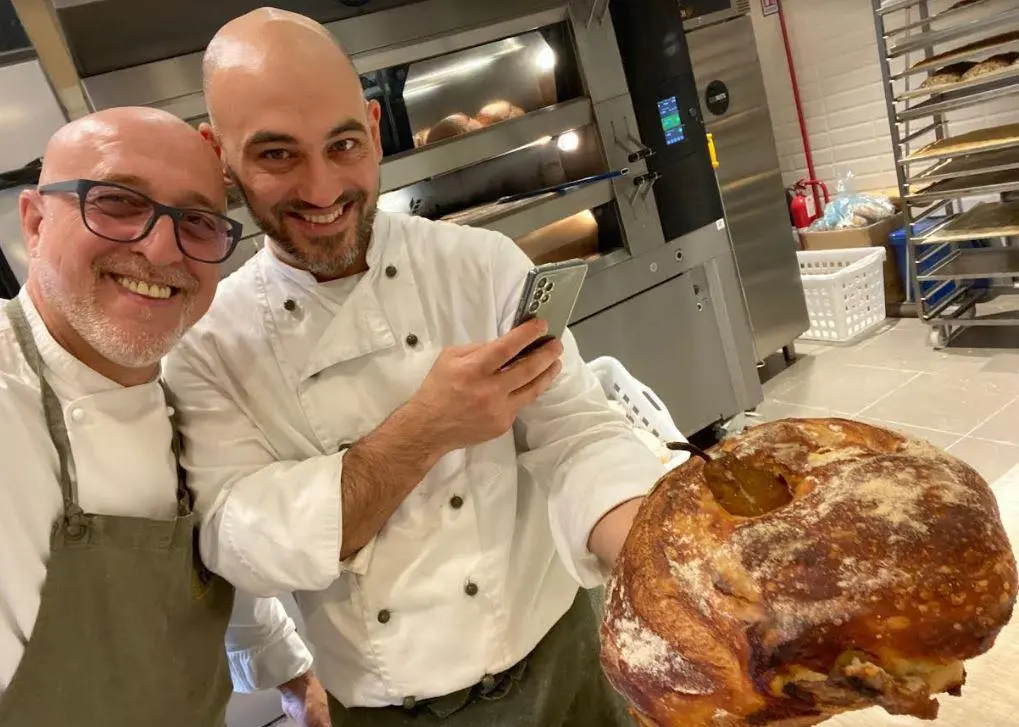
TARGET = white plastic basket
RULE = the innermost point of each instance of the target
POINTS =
(845, 291)
(643, 407)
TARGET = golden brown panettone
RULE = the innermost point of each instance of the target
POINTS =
(498, 111)
(453, 125)
(813, 567)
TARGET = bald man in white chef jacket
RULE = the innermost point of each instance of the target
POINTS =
(107, 616)
(354, 437)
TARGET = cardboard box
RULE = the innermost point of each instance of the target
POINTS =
(875, 235)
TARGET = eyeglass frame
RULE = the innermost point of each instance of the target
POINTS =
(81, 188)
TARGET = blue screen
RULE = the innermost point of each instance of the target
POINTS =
(672, 123)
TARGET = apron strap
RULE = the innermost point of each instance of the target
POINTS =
(185, 498)
(51, 407)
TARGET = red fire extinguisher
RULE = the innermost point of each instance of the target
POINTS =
(799, 211)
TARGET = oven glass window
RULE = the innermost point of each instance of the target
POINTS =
(690, 9)
(12, 35)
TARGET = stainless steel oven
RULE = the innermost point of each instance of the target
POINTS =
(485, 100)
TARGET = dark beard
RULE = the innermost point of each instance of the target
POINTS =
(335, 258)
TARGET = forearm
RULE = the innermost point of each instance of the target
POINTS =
(609, 535)
(380, 470)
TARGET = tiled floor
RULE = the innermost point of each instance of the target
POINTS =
(964, 399)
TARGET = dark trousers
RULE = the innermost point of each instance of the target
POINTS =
(559, 684)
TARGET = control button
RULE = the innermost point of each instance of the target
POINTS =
(290, 305)
(390, 271)
(471, 589)
(384, 616)
(456, 502)
(78, 415)
(409, 702)
(412, 340)
(487, 683)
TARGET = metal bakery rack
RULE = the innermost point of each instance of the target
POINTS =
(943, 65)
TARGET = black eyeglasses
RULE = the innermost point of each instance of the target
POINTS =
(121, 214)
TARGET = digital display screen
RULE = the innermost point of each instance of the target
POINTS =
(672, 124)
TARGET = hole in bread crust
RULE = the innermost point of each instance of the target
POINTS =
(743, 490)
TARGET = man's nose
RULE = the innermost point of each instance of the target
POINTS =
(322, 184)
(160, 246)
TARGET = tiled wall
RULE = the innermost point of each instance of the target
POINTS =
(836, 57)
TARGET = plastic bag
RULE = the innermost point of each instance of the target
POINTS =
(851, 209)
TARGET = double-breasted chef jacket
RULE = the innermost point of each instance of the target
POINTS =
(486, 554)
(120, 438)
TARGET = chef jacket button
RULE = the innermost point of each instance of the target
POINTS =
(390, 271)
(456, 502)
(170, 411)
(471, 589)
(384, 616)
(412, 340)
(409, 703)
(487, 683)
(78, 415)
(290, 305)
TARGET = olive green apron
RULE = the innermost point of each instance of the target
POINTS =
(131, 627)
(559, 684)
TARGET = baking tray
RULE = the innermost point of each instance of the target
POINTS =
(963, 99)
(967, 165)
(978, 49)
(979, 184)
(1008, 138)
(951, 12)
(946, 35)
(967, 226)
(1010, 72)
(995, 262)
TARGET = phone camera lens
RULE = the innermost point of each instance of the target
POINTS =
(550, 286)
(546, 298)
(534, 307)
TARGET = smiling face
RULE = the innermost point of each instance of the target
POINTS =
(297, 138)
(120, 306)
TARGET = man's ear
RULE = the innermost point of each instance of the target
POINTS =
(205, 129)
(30, 204)
(374, 117)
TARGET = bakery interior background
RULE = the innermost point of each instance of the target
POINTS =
(893, 305)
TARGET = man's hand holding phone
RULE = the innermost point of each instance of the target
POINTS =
(473, 393)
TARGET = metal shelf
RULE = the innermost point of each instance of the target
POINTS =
(980, 223)
(971, 51)
(964, 99)
(938, 150)
(1007, 73)
(968, 186)
(404, 169)
(898, 5)
(971, 165)
(517, 219)
(946, 35)
(933, 19)
(977, 263)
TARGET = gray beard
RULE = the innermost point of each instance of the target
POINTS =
(100, 332)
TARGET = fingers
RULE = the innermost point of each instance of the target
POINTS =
(530, 392)
(527, 368)
(494, 355)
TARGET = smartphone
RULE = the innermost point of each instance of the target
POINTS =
(550, 293)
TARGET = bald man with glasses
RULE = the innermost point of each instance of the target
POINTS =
(108, 617)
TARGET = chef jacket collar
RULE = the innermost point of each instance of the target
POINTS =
(361, 326)
(60, 363)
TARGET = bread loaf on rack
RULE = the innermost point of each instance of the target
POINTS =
(813, 567)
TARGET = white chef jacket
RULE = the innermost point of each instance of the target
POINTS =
(121, 440)
(283, 371)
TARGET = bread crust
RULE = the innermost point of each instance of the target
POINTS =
(887, 569)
